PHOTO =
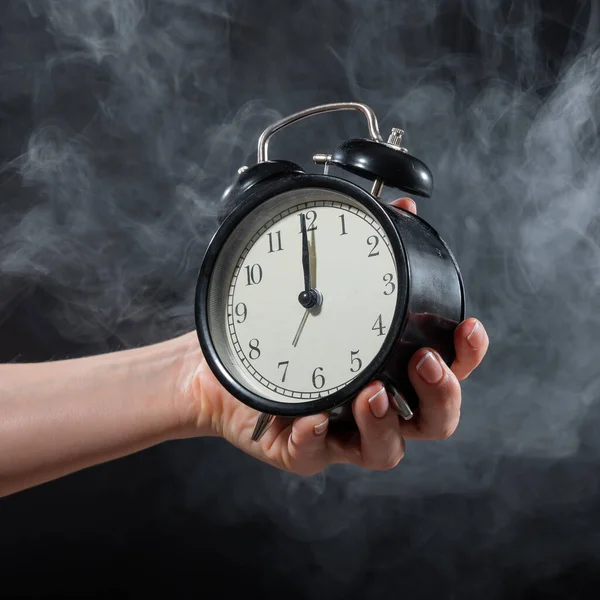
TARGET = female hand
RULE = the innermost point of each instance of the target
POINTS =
(63, 416)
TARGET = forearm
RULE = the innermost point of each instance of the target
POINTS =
(60, 417)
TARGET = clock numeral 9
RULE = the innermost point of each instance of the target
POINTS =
(241, 311)
(379, 326)
(373, 240)
(388, 278)
(254, 274)
(355, 361)
(254, 349)
(318, 380)
(311, 218)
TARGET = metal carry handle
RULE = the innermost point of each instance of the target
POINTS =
(263, 142)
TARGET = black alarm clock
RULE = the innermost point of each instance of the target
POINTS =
(312, 286)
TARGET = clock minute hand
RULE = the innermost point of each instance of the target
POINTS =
(305, 254)
(309, 297)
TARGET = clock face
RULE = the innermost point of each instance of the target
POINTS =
(268, 341)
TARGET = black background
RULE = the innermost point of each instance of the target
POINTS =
(122, 121)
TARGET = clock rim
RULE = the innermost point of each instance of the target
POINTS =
(250, 200)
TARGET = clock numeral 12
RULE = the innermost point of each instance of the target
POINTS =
(311, 218)
(277, 237)
(254, 274)
(379, 326)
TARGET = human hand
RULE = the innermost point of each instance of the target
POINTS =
(305, 446)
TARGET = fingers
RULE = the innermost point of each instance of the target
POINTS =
(471, 342)
(439, 398)
(307, 444)
(378, 445)
(407, 204)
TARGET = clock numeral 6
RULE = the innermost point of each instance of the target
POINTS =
(379, 326)
(388, 278)
(241, 311)
(317, 379)
(355, 361)
(254, 274)
(254, 349)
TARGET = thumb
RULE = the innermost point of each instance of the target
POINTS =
(407, 204)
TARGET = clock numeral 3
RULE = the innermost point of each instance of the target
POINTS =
(254, 349)
(373, 240)
(241, 311)
(379, 326)
(287, 364)
(317, 379)
(355, 361)
(254, 274)
(275, 242)
(311, 218)
(388, 278)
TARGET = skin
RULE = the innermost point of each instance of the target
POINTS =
(60, 417)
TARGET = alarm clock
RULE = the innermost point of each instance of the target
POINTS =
(312, 286)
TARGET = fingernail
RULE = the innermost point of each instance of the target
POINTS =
(321, 427)
(476, 337)
(430, 369)
(379, 403)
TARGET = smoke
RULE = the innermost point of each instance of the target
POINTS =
(511, 133)
(123, 121)
(131, 145)
(138, 122)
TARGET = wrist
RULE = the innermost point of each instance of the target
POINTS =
(63, 416)
(192, 414)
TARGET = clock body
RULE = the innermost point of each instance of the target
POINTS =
(387, 284)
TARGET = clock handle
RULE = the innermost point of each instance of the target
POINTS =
(384, 162)
(263, 142)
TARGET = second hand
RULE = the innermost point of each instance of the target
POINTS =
(297, 336)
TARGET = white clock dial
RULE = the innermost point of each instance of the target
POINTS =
(279, 349)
